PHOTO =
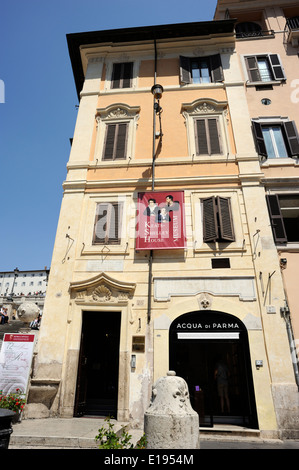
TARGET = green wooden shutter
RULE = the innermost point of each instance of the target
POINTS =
(276, 218)
(114, 229)
(109, 141)
(216, 68)
(201, 137)
(278, 72)
(292, 137)
(252, 68)
(210, 226)
(225, 219)
(213, 136)
(259, 139)
(121, 139)
(185, 71)
(100, 227)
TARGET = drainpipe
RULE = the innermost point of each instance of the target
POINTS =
(149, 294)
(285, 313)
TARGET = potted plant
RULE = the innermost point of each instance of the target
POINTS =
(14, 402)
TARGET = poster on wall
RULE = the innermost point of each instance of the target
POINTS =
(15, 362)
(160, 220)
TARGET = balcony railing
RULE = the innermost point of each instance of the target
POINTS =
(254, 34)
(291, 31)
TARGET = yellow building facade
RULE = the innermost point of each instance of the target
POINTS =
(192, 294)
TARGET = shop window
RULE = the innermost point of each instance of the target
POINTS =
(107, 227)
(201, 69)
(276, 140)
(284, 216)
(264, 68)
(122, 75)
(217, 220)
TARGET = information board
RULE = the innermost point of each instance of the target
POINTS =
(15, 362)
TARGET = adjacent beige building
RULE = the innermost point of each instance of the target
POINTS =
(140, 285)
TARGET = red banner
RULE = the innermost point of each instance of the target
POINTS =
(161, 221)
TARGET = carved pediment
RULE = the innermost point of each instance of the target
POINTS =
(102, 289)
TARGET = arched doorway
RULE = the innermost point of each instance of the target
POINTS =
(210, 350)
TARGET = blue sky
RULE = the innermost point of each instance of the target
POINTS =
(38, 115)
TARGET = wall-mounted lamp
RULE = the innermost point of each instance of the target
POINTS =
(157, 91)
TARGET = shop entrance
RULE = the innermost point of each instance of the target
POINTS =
(97, 380)
(210, 351)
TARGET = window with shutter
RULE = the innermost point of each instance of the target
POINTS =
(207, 136)
(277, 140)
(201, 69)
(284, 216)
(115, 141)
(122, 75)
(217, 220)
(264, 68)
(107, 227)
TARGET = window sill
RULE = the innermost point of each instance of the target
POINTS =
(265, 84)
(99, 249)
(291, 246)
(280, 162)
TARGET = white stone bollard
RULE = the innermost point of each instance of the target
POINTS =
(170, 422)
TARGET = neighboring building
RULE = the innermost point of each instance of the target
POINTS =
(23, 283)
(268, 49)
(138, 287)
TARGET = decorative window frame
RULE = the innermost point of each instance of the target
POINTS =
(109, 72)
(197, 222)
(207, 108)
(113, 114)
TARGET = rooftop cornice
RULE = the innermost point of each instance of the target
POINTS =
(127, 36)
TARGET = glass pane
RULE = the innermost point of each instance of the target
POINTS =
(205, 74)
(264, 69)
(195, 72)
(278, 137)
(268, 142)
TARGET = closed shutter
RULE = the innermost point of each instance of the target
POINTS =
(201, 137)
(276, 218)
(252, 68)
(109, 143)
(259, 139)
(185, 71)
(225, 219)
(292, 137)
(116, 141)
(100, 228)
(216, 68)
(207, 136)
(278, 72)
(210, 225)
(214, 136)
(121, 141)
(107, 228)
(122, 75)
